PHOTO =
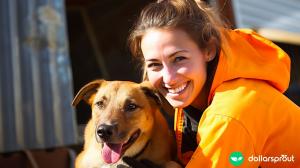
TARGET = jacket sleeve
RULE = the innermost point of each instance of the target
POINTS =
(219, 136)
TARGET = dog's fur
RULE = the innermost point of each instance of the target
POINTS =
(128, 107)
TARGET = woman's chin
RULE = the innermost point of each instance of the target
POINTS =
(177, 103)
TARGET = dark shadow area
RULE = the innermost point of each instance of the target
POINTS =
(98, 32)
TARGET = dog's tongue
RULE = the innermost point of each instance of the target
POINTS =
(111, 153)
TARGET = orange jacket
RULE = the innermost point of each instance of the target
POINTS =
(248, 112)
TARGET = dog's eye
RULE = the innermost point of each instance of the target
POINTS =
(130, 107)
(100, 104)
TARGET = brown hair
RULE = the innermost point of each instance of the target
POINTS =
(196, 19)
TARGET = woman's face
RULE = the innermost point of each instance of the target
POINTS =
(175, 65)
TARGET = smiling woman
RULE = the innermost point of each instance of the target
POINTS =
(226, 85)
(172, 66)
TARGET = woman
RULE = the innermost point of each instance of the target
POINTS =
(225, 85)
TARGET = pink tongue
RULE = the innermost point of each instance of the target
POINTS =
(111, 153)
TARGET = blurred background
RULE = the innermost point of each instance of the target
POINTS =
(50, 48)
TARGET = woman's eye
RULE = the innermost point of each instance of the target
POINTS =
(153, 66)
(179, 58)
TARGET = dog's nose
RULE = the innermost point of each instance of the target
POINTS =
(105, 131)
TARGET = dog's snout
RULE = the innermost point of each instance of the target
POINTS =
(105, 131)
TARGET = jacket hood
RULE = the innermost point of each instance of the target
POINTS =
(245, 54)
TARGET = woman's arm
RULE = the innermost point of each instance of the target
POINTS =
(220, 136)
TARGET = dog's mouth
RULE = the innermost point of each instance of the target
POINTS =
(112, 152)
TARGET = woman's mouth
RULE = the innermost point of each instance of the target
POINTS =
(177, 90)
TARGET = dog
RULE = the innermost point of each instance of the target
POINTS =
(126, 121)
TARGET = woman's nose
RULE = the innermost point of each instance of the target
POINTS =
(168, 75)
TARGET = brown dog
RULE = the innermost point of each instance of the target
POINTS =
(126, 121)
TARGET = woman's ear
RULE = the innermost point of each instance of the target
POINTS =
(211, 50)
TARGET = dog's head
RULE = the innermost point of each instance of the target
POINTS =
(123, 115)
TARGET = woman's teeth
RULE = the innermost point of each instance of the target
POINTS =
(178, 89)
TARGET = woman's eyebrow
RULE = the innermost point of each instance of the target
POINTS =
(169, 55)
(151, 60)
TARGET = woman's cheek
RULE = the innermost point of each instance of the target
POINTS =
(153, 78)
(184, 70)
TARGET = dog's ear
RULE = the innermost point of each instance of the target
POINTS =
(151, 92)
(158, 98)
(87, 92)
